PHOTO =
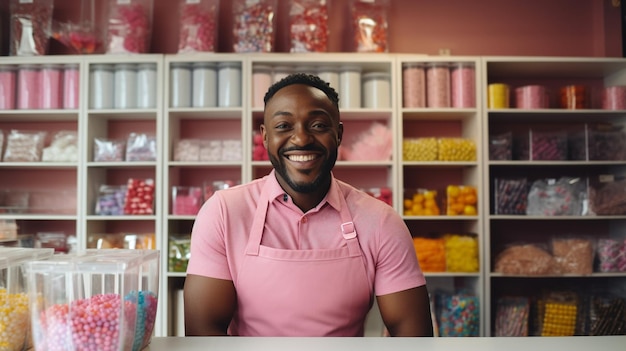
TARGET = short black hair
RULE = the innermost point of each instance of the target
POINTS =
(306, 79)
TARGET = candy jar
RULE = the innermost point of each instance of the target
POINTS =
(31, 22)
(254, 23)
(198, 25)
(308, 25)
(129, 26)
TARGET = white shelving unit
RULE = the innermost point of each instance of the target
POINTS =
(171, 124)
(502, 230)
(443, 122)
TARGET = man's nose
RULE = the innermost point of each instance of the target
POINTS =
(301, 136)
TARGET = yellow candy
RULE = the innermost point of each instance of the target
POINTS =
(420, 149)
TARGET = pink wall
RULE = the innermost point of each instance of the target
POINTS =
(478, 27)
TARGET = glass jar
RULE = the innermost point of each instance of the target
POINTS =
(330, 74)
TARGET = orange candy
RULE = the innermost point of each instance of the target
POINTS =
(461, 200)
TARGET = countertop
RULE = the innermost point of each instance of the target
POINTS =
(582, 343)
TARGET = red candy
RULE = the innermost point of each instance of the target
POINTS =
(139, 197)
(369, 21)
(129, 27)
(308, 21)
(36, 17)
(198, 26)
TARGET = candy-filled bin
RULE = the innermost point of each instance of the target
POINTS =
(14, 313)
(94, 300)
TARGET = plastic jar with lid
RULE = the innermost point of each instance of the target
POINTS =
(204, 84)
(438, 84)
(7, 87)
(28, 87)
(180, 84)
(463, 84)
(125, 85)
(350, 87)
(51, 86)
(101, 86)
(71, 85)
(413, 85)
(261, 81)
(146, 85)
(329, 74)
(229, 83)
(376, 90)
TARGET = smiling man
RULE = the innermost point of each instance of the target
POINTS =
(299, 252)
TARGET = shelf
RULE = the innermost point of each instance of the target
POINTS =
(554, 218)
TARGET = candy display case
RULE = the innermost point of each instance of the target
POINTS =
(15, 323)
(101, 299)
(543, 182)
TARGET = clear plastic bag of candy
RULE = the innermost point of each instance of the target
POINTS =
(308, 25)
(369, 24)
(82, 36)
(129, 26)
(31, 23)
(141, 147)
(24, 146)
(198, 26)
(254, 25)
(565, 196)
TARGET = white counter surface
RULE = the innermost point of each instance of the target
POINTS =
(576, 343)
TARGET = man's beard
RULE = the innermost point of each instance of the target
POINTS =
(305, 188)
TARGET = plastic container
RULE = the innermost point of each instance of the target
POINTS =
(463, 85)
(498, 95)
(14, 308)
(94, 299)
(125, 86)
(186, 200)
(204, 81)
(7, 87)
(180, 84)
(330, 75)
(261, 81)
(71, 86)
(438, 85)
(28, 87)
(376, 90)
(229, 84)
(281, 72)
(413, 85)
(614, 98)
(51, 87)
(146, 85)
(101, 86)
(350, 87)
(574, 97)
(531, 97)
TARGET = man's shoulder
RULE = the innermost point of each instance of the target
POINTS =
(242, 192)
(362, 201)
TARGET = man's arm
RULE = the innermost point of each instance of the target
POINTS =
(407, 313)
(209, 305)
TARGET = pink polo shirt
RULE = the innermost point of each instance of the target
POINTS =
(222, 227)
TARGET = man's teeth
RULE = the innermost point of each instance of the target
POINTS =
(301, 158)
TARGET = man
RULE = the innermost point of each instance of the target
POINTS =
(298, 252)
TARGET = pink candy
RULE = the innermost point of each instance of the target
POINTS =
(198, 26)
(129, 28)
(139, 197)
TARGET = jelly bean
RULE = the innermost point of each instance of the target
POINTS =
(253, 27)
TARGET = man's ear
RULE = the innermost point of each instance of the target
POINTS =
(264, 135)
(339, 133)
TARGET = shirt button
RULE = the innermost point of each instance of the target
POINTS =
(303, 219)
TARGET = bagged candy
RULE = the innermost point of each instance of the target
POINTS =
(129, 26)
(31, 23)
(254, 22)
(369, 23)
(308, 25)
(198, 26)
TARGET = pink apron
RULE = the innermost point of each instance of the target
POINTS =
(301, 292)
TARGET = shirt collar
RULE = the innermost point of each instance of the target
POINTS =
(333, 197)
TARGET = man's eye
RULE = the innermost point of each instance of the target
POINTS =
(282, 126)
